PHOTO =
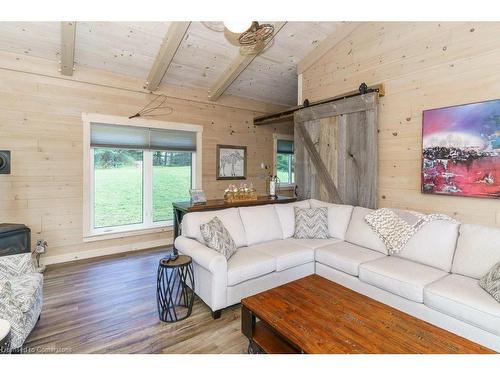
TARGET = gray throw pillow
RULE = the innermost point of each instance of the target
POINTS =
(491, 282)
(218, 238)
(311, 223)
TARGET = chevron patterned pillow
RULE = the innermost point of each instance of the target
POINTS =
(491, 282)
(218, 238)
(311, 223)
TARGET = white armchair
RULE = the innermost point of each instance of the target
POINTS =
(21, 296)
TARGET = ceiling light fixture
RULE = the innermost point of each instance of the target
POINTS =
(237, 26)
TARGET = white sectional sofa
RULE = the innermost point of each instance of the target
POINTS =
(435, 277)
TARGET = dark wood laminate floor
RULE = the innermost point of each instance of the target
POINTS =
(109, 306)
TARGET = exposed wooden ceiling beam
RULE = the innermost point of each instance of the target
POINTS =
(168, 49)
(68, 33)
(236, 68)
(342, 32)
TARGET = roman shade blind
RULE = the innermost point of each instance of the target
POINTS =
(285, 146)
(134, 137)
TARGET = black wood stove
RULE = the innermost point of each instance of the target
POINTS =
(14, 239)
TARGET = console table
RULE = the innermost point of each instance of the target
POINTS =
(182, 208)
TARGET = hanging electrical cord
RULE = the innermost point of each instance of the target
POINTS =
(148, 108)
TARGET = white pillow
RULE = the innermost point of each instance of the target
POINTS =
(338, 217)
(261, 224)
(360, 233)
(286, 216)
(433, 245)
(478, 250)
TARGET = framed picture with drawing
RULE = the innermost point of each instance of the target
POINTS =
(231, 162)
(461, 150)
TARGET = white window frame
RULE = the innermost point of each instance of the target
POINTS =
(286, 137)
(148, 225)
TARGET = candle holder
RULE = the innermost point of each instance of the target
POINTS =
(240, 194)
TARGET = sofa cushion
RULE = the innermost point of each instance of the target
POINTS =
(478, 249)
(462, 297)
(286, 215)
(346, 257)
(230, 217)
(433, 245)
(400, 276)
(338, 217)
(261, 224)
(248, 264)
(286, 253)
(311, 223)
(313, 243)
(360, 233)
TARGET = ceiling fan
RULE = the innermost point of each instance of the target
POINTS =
(251, 37)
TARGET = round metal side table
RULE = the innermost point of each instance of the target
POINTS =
(175, 288)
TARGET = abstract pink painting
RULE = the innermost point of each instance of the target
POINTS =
(461, 150)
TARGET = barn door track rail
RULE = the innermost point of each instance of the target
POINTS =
(287, 115)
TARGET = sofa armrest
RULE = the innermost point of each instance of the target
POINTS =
(207, 258)
(210, 271)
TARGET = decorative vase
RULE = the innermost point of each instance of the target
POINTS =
(273, 184)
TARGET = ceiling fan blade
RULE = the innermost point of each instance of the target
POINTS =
(255, 49)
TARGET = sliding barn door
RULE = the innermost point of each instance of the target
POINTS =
(336, 151)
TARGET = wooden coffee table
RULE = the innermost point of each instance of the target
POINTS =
(315, 315)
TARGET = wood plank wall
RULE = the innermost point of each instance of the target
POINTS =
(423, 65)
(40, 121)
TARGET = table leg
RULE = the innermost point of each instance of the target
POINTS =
(178, 214)
(247, 322)
(187, 280)
(247, 327)
(253, 348)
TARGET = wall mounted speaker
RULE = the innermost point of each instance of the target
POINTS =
(4, 162)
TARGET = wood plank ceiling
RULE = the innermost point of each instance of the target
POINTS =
(202, 57)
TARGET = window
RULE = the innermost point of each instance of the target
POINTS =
(118, 187)
(134, 171)
(284, 159)
(172, 179)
